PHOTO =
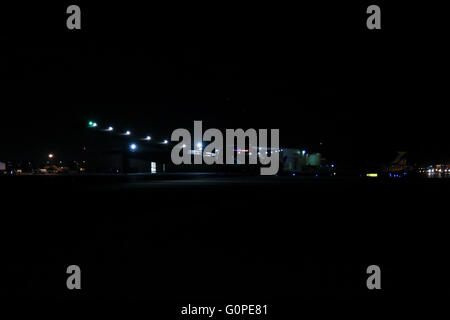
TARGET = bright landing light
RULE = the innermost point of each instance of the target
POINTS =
(133, 146)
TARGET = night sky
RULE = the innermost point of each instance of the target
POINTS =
(314, 72)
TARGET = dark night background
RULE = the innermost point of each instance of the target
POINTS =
(313, 71)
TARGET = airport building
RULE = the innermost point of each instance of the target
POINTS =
(135, 158)
(299, 161)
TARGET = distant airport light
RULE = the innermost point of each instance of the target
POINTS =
(51, 155)
(133, 147)
(372, 175)
(165, 142)
(110, 128)
(92, 124)
(148, 138)
(127, 133)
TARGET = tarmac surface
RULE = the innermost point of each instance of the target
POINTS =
(215, 238)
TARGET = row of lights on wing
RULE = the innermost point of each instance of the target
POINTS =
(133, 146)
(93, 124)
